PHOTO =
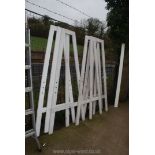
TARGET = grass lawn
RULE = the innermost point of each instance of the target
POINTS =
(39, 44)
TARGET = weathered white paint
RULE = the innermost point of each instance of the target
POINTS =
(44, 77)
(90, 82)
(61, 45)
(119, 76)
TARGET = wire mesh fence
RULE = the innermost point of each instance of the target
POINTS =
(37, 68)
(37, 75)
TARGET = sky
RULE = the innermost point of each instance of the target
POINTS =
(93, 8)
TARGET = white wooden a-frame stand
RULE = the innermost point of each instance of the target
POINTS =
(91, 78)
(62, 42)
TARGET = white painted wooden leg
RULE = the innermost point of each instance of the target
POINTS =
(119, 76)
(99, 68)
(98, 80)
(66, 53)
(52, 80)
(91, 78)
(105, 76)
(57, 76)
(95, 94)
(81, 82)
(44, 79)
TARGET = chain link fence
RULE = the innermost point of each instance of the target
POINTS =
(37, 75)
(111, 71)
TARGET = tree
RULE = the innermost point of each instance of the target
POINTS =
(33, 20)
(46, 20)
(118, 21)
(94, 27)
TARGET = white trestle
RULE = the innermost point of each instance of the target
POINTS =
(89, 83)
(62, 42)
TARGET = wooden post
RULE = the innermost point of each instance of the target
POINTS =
(119, 76)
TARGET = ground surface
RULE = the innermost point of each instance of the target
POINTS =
(106, 134)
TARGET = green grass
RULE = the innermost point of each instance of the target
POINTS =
(39, 44)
